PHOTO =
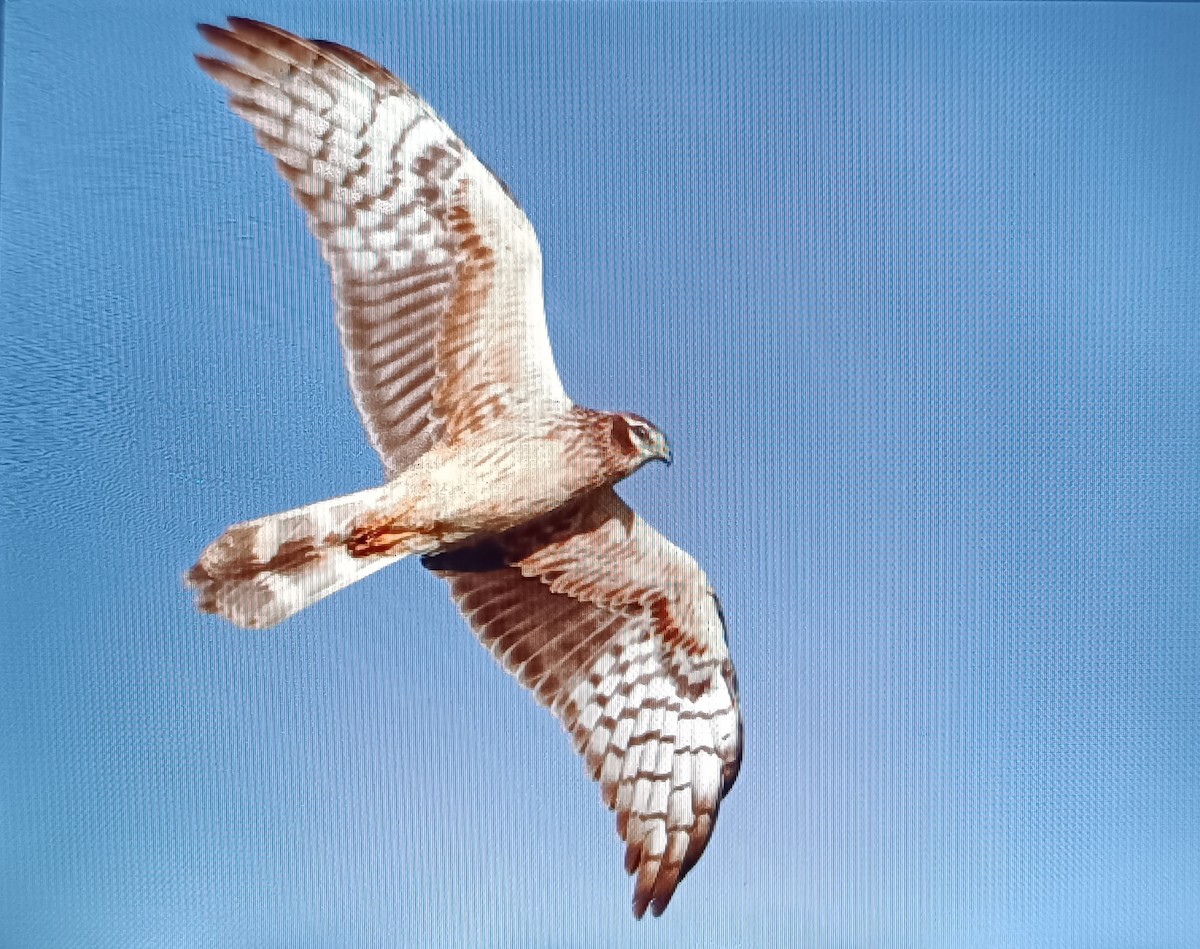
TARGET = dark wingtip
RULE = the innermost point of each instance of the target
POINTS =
(640, 903)
(248, 23)
(210, 65)
(245, 26)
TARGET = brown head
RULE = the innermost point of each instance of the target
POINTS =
(636, 441)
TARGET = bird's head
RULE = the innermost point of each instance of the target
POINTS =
(638, 441)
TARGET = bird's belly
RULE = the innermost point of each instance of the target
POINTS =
(486, 489)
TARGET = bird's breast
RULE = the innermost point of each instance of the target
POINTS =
(492, 485)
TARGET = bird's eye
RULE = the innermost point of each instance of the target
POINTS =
(640, 432)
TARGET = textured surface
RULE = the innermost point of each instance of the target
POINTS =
(913, 289)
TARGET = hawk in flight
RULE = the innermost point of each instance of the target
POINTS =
(495, 478)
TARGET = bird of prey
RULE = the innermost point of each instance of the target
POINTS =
(495, 478)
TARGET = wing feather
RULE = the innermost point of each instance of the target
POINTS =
(437, 273)
(617, 631)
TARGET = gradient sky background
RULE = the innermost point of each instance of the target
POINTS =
(916, 294)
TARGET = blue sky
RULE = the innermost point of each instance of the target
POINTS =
(914, 290)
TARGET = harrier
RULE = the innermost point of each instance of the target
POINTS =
(500, 483)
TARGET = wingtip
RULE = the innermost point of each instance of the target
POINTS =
(248, 23)
(247, 27)
(212, 67)
(212, 33)
(656, 884)
(207, 63)
(648, 899)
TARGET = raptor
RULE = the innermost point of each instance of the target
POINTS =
(495, 478)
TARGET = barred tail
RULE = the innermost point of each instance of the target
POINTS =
(260, 572)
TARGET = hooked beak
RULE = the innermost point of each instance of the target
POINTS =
(664, 449)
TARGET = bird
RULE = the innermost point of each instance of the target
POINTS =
(495, 478)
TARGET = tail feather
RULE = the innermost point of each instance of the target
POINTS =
(260, 572)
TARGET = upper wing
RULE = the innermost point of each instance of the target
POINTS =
(437, 272)
(617, 631)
